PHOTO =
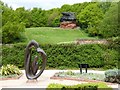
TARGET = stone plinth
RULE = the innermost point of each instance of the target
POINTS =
(68, 25)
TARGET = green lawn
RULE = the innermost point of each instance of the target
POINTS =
(52, 35)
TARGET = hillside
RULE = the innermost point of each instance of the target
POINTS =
(45, 35)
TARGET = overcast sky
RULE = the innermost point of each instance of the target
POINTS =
(44, 4)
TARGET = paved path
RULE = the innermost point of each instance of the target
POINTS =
(42, 82)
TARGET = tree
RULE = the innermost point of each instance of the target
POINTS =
(66, 8)
(90, 17)
(104, 6)
(6, 13)
(22, 15)
(35, 17)
(109, 26)
(54, 18)
(12, 32)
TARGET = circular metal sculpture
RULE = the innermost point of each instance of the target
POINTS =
(32, 63)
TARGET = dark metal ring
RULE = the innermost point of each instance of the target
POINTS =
(31, 69)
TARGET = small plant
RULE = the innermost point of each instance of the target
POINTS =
(9, 70)
(69, 73)
(86, 76)
(112, 76)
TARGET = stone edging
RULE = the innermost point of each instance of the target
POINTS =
(11, 78)
(91, 41)
(78, 79)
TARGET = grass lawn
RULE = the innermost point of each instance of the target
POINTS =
(45, 35)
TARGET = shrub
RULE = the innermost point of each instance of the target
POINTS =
(88, 86)
(115, 43)
(89, 18)
(70, 73)
(63, 56)
(9, 70)
(109, 61)
(112, 76)
(74, 87)
(109, 26)
(12, 32)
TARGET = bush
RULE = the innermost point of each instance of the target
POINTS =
(115, 43)
(64, 56)
(109, 26)
(9, 70)
(90, 17)
(88, 86)
(12, 32)
(112, 76)
(65, 87)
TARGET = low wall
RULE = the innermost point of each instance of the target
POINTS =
(91, 41)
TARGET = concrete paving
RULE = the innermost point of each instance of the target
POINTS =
(43, 81)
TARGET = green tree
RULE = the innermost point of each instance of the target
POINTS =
(22, 15)
(6, 13)
(104, 6)
(90, 17)
(35, 17)
(109, 26)
(12, 32)
(54, 18)
(66, 8)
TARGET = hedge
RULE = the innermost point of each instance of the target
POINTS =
(75, 87)
(85, 86)
(64, 56)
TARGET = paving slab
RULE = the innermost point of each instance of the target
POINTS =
(43, 81)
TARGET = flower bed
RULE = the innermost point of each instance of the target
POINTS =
(69, 75)
(10, 77)
(10, 72)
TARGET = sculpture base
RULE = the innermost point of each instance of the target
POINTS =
(32, 81)
(68, 25)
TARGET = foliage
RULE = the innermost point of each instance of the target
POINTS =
(90, 17)
(104, 6)
(37, 17)
(12, 32)
(115, 43)
(109, 26)
(83, 76)
(21, 15)
(112, 76)
(6, 13)
(64, 55)
(54, 18)
(88, 86)
(69, 73)
(9, 70)
(108, 60)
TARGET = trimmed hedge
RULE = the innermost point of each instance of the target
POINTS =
(75, 87)
(65, 56)
(86, 86)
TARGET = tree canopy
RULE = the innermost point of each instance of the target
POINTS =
(96, 18)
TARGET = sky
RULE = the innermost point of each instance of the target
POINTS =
(44, 4)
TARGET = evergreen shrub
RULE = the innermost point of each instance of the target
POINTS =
(64, 55)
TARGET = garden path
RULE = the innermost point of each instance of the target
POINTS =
(43, 81)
